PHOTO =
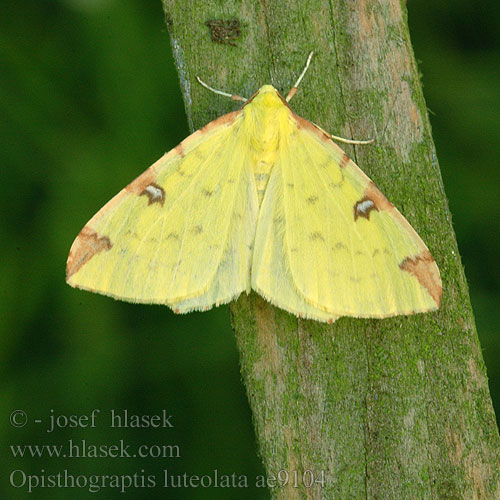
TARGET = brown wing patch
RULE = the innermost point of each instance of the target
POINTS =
(226, 119)
(87, 244)
(179, 149)
(381, 202)
(138, 185)
(345, 160)
(424, 268)
(155, 194)
(312, 127)
(373, 199)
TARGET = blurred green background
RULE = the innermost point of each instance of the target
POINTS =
(89, 98)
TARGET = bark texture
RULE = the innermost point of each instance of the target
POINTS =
(386, 409)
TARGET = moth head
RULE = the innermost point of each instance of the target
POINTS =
(267, 97)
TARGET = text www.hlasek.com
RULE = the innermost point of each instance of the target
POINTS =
(83, 449)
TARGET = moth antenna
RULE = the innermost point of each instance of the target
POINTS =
(341, 139)
(234, 97)
(350, 141)
(292, 92)
(299, 79)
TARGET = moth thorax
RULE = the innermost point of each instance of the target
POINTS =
(267, 121)
(266, 140)
(264, 122)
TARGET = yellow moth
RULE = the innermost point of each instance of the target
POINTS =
(259, 199)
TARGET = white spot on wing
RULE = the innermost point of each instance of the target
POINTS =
(155, 192)
(364, 206)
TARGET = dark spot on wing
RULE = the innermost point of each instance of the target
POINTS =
(316, 236)
(155, 193)
(373, 199)
(363, 207)
(337, 184)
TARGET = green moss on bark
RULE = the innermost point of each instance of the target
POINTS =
(390, 409)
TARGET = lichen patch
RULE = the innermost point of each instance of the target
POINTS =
(224, 31)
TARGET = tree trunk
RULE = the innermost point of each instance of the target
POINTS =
(381, 409)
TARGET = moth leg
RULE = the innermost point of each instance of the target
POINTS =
(234, 97)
